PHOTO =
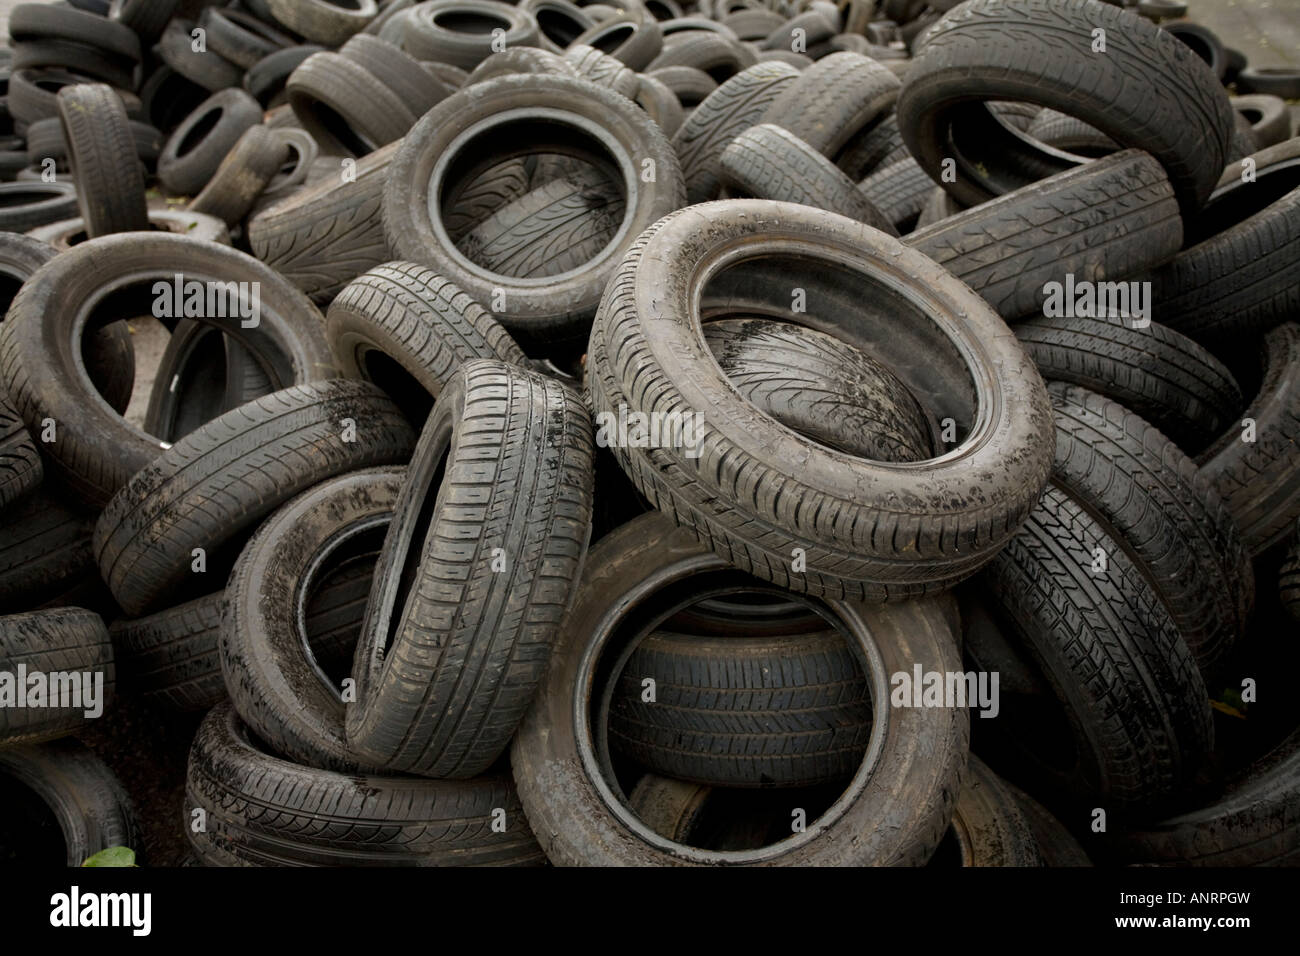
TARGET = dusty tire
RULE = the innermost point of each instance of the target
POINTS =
(324, 21)
(345, 107)
(833, 100)
(988, 827)
(427, 39)
(20, 462)
(242, 176)
(64, 640)
(196, 148)
(44, 552)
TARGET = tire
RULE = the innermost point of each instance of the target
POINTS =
(242, 176)
(96, 451)
(86, 60)
(1269, 118)
(633, 38)
(788, 711)
(110, 183)
(1254, 823)
(722, 57)
(688, 84)
(1136, 725)
(276, 686)
(1070, 134)
(1163, 376)
(20, 462)
(92, 810)
(1055, 843)
(330, 232)
(559, 22)
(45, 139)
(822, 388)
(1108, 220)
(1154, 502)
(240, 37)
(816, 29)
(344, 107)
(146, 17)
(418, 90)
(767, 162)
(20, 256)
(213, 485)
(521, 59)
(324, 21)
(899, 191)
(751, 25)
(167, 98)
(559, 312)
(1289, 581)
(1203, 43)
(1164, 101)
(661, 103)
(1239, 273)
(484, 194)
(988, 826)
(404, 314)
(38, 21)
(603, 70)
(193, 225)
(938, 207)
(322, 818)
(931, 545)
(208, 70)
(44, 551)
(833, 100)
(725, 113)
(29, 205)
(480, 648)
(196, 148)
(302, 153)
(266, 78)
(1275, 81)
(1259, 480)
(918, 769)
(427, 39)
(64, 641)
(877, 147)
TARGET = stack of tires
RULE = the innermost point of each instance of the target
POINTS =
(746, 432)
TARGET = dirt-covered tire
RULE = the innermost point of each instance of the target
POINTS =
(602, 69)
(45, 139)
(1056, 845)
(428, 39)
(896, 814)
(38, 21)
(580, 115)
(196, 148)
(329, 22)
(210, 487)
(181, 222)
(1268, 116)
(96, 451)
(275, 684)
(1149, 92)
(725, 113)
(44, 551)
(404, 314)
(240, 37)
(1160, 374)
(1255, 467)
(1157, 505)
(20, 462)
(323, 818)
(1131, 720)
(784, 711)
(1256, 822)
(905, 540)
(92, 809)
(345, 107)
(205, 69)
(330, 232)
(70, 641)
(418, 90)
(833, 100)
(513, 535)
(988, 828)
(768, 162)
(242, 176)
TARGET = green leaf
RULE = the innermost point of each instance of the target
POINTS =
(113, 856)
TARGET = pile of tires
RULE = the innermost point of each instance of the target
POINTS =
(736, 432)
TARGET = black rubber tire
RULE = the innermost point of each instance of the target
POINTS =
(62, 641)
(689, 85)
(322, 818)
(246, 171)
(208, 70)
(1110, 219)
(900, 191)
(44, 551)
(45, 139)
(833, 100)
(20, 463)
(196, 148)
(1164, 100)
(1160, 9)
(988, 827)
(1161, 375)
(96, 452)
(559, 22)
(661, 104)
(92, 809)
(1156, 504)
(895, 815)
(413, 317)
(603, 70)
(34, 94)
(167, 98)
(330, 232)
(823, 388)
(725, 113)
(480, 648)
(1055, 843)
(785, 711)
(427, 39)
(521, 59)
(1070, 134)
(146, 17)
(634, 38)
(719, 55)
(1254, 822)
(484, 194)
(327, 22)
(266, 78)
(1137, 719)
(215, 484)
(345, 107)
(1239, 272)
(1204, 43)
(1289, 581)
(1276, 81)
(28, 205)
(67, 55)
(274, 682)
(40, 21)
(816, 28)
(101, 147)
(560, 311)
(876, 147)
(899, 546)
(1260, 480)
(418, 90)
(240, 37)
(768, 162)
(193, 225)
(1269, 118)
(302, 153)
(753, 23)
(938, 207)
